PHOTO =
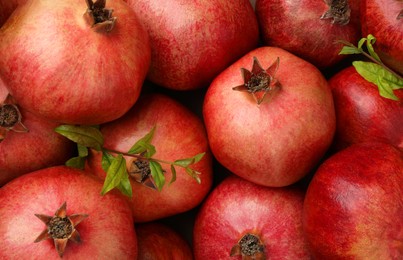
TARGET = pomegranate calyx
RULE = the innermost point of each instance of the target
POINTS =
(10, 118)
(339, 11)
(140, 171)
(250, 247)
(99, 17)
(60, 228)
(259, 81)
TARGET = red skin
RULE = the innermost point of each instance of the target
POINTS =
(362, 115)
(41, 147)
(107, 233)
(296, 26)
(236, 207)
(193, 41)
(354, 204)
(378, 17)
(157, 241)
(284, 137)
(65, 71)
(179, 134)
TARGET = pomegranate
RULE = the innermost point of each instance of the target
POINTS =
(362, 115)
(178, 134)
(384, 20)
(59, 211)
(278, 127)
(242, 219)
(354, 204)
(158, 241)
(27, 142)
(193, 41)
(60, 62)
(309, 28)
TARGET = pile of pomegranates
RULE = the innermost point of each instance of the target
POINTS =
(174, 129)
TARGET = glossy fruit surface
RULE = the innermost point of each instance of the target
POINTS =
(354, 204)
(268, 219)
(279, 141)
(58, 65)
(106, 233)
(193, 41)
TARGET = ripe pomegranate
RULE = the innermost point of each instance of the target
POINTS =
(27, 142)
(362, 115)
(384, 20)
(310, 28)
(193, 41)
(354, 204)
(59, 211)
(276, 130)
(179, 134)
(61, 63)
(158, 241)
(240, 218)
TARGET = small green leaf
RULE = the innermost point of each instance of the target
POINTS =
(107, 160)
(143, 143)
(158, 174)
(76, 162)
(194, 174)
(349, 50)
(370, 41)
(374, 73)
(173, 171)
(125, 186)
(116, 173)
(87, 136)
(189, 161)
(361, 42)
(82, 150)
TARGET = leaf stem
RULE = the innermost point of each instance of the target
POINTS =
(381, 64)
(138, 156)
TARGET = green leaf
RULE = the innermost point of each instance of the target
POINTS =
(173, 171)
(125, 186)
(141, 145)
(361, 42)
(349, 50)
(194, 174)
(374, 73)
(370, 41)
(82, 150)
(107, 160)
(158, 174)
(76, 162)
(87, 136)
(189, 161)
(116, 173)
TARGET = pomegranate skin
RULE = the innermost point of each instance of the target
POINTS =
(158, 241)
(57, 66)
(362, 115)
(281, 140)
(353, 207)
(193, 41)
(296, 26)
(237, 207)
(107, 233)
(179, 134)
(380, 18)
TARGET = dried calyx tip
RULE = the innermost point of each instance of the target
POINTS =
(339, 11)
(60, 228)
(259, 81)
(99, 17)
